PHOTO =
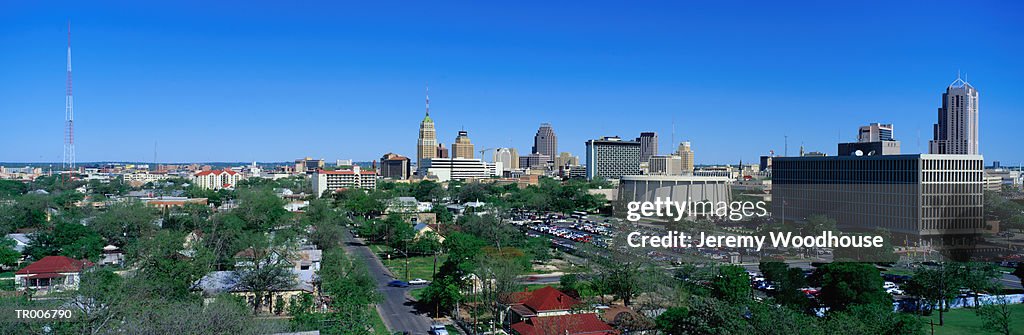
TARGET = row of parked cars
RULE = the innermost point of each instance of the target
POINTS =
(402, 283)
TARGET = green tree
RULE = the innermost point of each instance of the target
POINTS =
(27, 211)
(124, 223)
(66, 239)
(709, 316)
(979, 277)
(162, 271)
(442, 295)
(936, 285)
(873, 319)
(11, 188)
(673, 321)
(773, 271)
(352, 292)
(789, 293)
(847, 284)
(997, 316)
(8, 256)
(261, 209)
(770, 319)
(732, 284)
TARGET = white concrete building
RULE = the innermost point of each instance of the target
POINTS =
(343, 179)
(446, 169)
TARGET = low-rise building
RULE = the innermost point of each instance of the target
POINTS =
(446, 169)
(51, 274)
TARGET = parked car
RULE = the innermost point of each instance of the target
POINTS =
(438, 329)
(418, 281)
(398, 283)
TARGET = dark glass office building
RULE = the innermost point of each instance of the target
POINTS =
(918, 196)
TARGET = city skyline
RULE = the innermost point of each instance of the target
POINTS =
(188, 88)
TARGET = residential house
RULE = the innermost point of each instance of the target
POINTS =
(51, 274)
(543, 302)
(229, 282)
(423, 228)
(568, 324)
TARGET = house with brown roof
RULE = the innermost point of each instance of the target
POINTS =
(51, 274)
(568, 324)
(542, 302)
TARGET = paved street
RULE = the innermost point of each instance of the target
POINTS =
(396, 308)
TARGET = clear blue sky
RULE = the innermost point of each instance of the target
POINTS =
(268, 81)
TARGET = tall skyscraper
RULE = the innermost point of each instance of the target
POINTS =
(426, 146)
(545, 142)
(648, 145)
(612, 158)
(509, 157)
(462, 148)
(956, 131)
(686, 155)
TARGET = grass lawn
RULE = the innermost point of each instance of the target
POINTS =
(378, 324)
(964, 321)
(419, 266)
(417, 293)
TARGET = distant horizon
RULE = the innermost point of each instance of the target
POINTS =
(347, 80)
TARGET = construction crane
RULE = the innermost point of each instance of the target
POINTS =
(483, 151)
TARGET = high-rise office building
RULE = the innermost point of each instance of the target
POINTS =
(920, 195)
(442, 151)
(648, 145)
(462, 148)
(426, 146)
(686, 154)
(612, 158)
(956, 131)
(545, 142)
(509, 157)
(395, 166)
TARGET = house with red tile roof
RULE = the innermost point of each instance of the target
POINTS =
(51, 274)
(217, 179)
(568, 324)
(542, 302)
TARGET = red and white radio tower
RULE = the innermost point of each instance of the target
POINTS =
(69, 116)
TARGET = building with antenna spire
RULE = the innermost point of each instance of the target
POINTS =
(426, 145)
(956, 131)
